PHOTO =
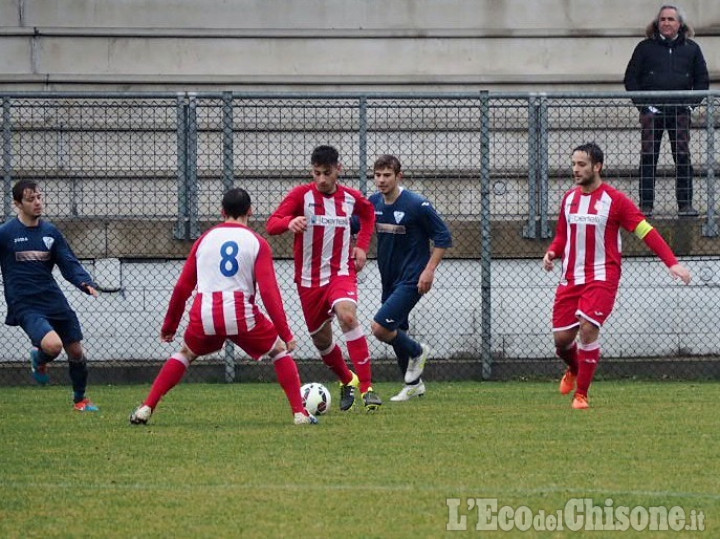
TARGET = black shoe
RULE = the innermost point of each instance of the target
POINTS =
(347, 393)
(686, 210)
(372, 400)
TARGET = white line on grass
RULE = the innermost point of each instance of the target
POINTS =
(443, 489)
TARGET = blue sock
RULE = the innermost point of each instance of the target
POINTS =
(78, 377)
(43, 357)
(402, 357)
(405, 348)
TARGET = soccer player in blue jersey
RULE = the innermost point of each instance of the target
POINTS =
(29, 249)
(405, 223)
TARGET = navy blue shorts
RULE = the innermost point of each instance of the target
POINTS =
(37, 325)
(396, 308)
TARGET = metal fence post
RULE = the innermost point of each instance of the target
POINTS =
(181, 224)
(187, 226)
(7, 157)
(227, 141)
(710, 227)
(544, 169)
(485, 239)
(192, 176)
(362, 143)
(228, 182)
(530, 229)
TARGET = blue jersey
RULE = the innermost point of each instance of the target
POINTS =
(404, 230)
(27, 257)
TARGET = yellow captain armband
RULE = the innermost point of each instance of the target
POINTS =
(643, 229)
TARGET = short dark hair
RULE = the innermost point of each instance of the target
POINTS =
(325, 155)
(19, 188)
(387, 161)
(236, 202)
(593, 151)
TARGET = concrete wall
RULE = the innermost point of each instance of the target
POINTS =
(330, 45)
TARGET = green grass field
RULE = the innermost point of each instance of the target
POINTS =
(226, 461)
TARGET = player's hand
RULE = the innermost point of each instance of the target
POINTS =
(360, 257)
(548, 264)
(426, 281)
(167, 336)
(291, 345)
(678, 271)
(298, 224)
(89, 289)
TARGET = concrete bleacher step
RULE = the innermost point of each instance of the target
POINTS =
(455, 45)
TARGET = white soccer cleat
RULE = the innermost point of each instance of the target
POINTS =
(301, 419)
(141, 415)
(408, 392)
(416, 365)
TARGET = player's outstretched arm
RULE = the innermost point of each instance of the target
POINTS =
(89, 289)
(657, 243)
(678, 271)
(266, 282)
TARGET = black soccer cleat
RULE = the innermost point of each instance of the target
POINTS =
(347, 393)
(372, 400)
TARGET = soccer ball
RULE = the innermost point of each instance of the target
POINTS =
(316, 398)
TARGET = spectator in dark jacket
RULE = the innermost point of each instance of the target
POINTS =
(667, 60)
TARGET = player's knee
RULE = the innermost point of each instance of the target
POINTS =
(77, 359)
(322, 342)
(188, 354)
(278, 349)
(380, 332)
(347, 319)
(589, 332)
(52, 348)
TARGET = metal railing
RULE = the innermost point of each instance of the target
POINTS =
(132, 179)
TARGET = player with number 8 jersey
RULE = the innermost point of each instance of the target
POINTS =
(225, 266)
(225, 263)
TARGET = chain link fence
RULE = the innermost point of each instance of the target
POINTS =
(133, 179)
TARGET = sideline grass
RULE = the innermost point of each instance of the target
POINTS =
(225, 460)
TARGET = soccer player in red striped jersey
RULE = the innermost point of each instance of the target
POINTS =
(225, 266)
(326, 266)
(589, 244)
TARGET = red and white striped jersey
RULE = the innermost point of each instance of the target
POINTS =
(225, 265)
(324, 249)
(588, 234)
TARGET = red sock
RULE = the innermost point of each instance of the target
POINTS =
(335, 360)
(359, 353)
(569, 356)
(588, 356)
(289, 379)
(169, 376)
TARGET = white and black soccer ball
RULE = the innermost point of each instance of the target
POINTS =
(316, 398)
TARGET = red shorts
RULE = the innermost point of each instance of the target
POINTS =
(593, 301)
(318, 302)
(256, 342)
